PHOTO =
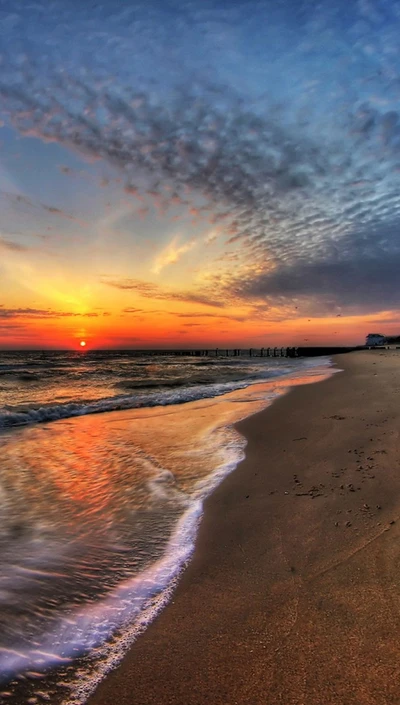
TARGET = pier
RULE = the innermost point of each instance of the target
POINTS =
(254, 352)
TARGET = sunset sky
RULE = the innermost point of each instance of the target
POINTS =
(182, 173)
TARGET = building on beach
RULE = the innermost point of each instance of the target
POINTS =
(374, 339)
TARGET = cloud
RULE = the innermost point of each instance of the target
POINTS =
(6, 328)
(212, 236)
(231, 317)
(19, 202)
(51, 209)
(293, 145)
(171, 254)
(62, 214)
(153, 291)
(353, 286)
(143, 288)
(10, 313)
(12, 246)
(360, 276)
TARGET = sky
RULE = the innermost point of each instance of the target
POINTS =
(199, 173)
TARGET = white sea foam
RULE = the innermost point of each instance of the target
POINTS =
(89, 627)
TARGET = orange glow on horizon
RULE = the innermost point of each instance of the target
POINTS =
(145, 324)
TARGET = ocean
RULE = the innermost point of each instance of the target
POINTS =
(106, 459)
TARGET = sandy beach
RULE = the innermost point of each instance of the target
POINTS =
(293, 593)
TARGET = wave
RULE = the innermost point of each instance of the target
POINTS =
(160, 396)
(147, 393)
(150, 383)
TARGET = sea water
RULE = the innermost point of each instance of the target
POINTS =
(98, 514)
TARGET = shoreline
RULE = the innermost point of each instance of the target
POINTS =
(290, 594)
(193, 445)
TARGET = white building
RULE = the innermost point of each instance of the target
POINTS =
(374, 339)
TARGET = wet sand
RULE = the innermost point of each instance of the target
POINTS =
(293, 593)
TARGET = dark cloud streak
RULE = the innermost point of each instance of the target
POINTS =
(37, 313)
(12, 246)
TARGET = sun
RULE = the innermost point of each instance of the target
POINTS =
(83, 344)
